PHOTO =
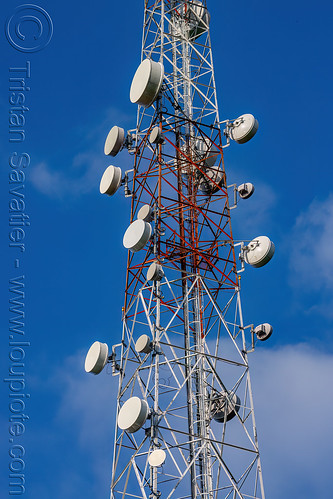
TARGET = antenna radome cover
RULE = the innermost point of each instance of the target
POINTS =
(225, 407)
(244, 128)
(143, 344)
(157, 457)
(96, 357)
(146, 82)
(110, 180)
(263, 331)
(114, 141)
(245, 190)
(137, 235)
(145, 213)
(155, 272)
(133, 414)
(259, 251)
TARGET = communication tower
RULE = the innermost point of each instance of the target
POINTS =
(185, 425)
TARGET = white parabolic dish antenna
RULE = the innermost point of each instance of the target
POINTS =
(145, 213)
(213, 176)
(133, 414)
(199, 18)
(263, 331)
(157, 457)
(259, 251)
(143, 344)
(209, 152)
(96, 357)
(137, 235)
(114, 141)
(245, 190)
(155, 272)
(156, 136)
(244, 128)
(110, 180)
(225, 407)
(147, 82)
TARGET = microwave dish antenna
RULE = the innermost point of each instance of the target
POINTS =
(146, 213)
(263, 331)
(156, 136)
(133, 414)
(225, 407)
(244, 128)
(246, 190)
(114, 141)
(155, 272)
(137, 235)
(143, 344)
(96, 357)
(157, 457)
(146, 83)
(259, 251)
(110, 180)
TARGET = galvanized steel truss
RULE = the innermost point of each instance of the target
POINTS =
(198, 365)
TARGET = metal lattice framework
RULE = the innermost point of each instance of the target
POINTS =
(198, 367)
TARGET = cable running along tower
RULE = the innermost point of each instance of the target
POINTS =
(185, 424)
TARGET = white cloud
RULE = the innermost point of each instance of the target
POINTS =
(88, 404)
(292, 387)
(75, 440)
(87, 399)
(47, 181)
(293, 406)
(83, 171)
(57, 184)
(311, 258)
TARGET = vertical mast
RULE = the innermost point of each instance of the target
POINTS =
(185, 423)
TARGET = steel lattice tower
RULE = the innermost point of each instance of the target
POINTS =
(194, 375)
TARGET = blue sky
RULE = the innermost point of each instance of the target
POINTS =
(272, 60)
